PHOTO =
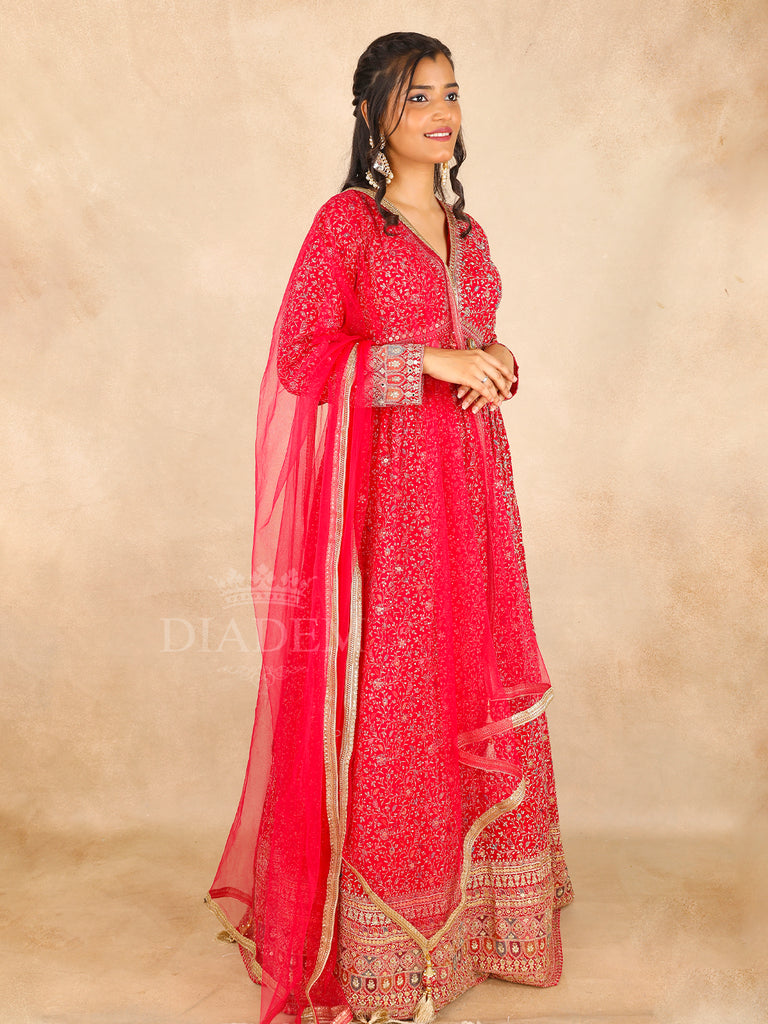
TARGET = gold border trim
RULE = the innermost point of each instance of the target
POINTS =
(232, 932)
(505, 724)
(450, 266)
(428, 944)
(337, 772)
(496, 811)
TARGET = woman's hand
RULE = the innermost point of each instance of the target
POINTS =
(471, 395)
(484, 375)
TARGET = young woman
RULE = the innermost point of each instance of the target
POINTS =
(397, 837)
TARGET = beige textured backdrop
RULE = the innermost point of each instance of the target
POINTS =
(160, 164)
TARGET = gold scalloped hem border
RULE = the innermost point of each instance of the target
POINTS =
(425, 944)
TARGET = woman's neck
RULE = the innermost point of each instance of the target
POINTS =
(413, 188)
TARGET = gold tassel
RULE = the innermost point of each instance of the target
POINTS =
(424, 1011)
(224, 936)
(379, 1016)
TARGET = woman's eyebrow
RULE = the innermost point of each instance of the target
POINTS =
(448, 85)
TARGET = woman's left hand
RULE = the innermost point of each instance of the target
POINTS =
(470, 396)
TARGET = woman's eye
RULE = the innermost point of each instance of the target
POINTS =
(417, 97)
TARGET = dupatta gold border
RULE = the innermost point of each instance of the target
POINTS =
(503, 725)
(337, 772)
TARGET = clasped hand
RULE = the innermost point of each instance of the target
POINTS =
(484, 375)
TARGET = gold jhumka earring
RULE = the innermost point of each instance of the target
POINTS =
(380, 164)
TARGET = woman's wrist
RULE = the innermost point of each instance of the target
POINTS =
(515, 367)
(501, 345)
(426, 364)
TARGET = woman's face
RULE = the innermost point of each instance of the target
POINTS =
(431, 117)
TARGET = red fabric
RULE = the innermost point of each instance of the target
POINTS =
(390, 587)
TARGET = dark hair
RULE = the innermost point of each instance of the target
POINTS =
(385, 67)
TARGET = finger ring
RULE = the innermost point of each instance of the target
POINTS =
(484, 379)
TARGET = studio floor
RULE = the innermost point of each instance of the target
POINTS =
(113, 930)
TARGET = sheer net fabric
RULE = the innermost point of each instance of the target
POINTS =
(397, 836)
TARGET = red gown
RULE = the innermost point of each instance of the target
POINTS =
(397, 840)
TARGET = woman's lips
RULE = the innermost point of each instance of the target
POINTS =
(439, 133)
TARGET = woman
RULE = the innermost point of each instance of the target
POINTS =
(397, 838)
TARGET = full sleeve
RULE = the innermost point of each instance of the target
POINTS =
(314, 305)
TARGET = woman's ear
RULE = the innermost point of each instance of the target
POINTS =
(364, 112)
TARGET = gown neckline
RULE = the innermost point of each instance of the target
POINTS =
(446, 263)
(451, 244)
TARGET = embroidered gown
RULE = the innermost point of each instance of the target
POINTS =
(440, 858)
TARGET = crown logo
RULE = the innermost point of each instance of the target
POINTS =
(235, 589)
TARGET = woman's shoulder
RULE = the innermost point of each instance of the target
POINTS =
(477, 235)
(347, 214)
